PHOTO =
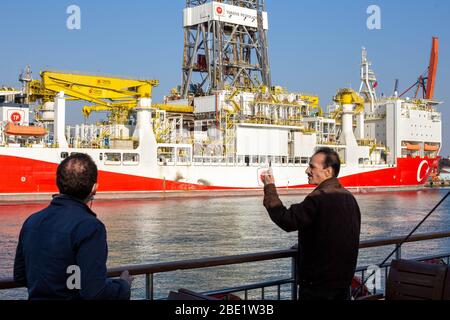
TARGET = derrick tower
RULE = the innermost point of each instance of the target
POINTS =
(225, 45)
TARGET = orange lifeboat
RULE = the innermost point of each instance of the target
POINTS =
(413, 147)
(13, 130)
(431, 148)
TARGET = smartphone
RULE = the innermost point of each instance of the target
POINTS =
(262, 171)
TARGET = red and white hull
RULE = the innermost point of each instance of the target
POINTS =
(27, 170)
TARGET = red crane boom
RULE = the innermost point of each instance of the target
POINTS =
(432, 69)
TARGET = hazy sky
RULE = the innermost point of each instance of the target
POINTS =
(315, 46)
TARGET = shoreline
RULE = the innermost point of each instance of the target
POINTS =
(169, 195)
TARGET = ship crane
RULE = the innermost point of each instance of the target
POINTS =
(350, 105)
(119, 96)
(426, 82)
(348, 97)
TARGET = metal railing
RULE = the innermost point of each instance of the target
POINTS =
(150, 270)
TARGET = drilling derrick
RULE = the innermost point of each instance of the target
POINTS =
(225, 46)
(226, 79)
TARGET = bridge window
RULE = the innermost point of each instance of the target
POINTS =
(113, 158)
(184, 155)
(130, 158)
(166, 156)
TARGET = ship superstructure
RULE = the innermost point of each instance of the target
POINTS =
(222, 125)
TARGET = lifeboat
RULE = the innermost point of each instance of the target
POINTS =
(429, 147)
(28, 131)
(413, 147)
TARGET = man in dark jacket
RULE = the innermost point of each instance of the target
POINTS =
(329, 223)
(62, 249)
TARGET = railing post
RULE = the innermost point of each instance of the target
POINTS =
(294, 290)
(398, 253)
(149, 286)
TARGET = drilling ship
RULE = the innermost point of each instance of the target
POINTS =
(224, 124)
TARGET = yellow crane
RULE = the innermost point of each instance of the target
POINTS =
(348, 96)
(119, 96)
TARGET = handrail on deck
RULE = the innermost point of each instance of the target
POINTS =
(202, 263)
(150, 269)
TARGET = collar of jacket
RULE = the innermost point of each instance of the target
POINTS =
(332, 182)
(64, 199)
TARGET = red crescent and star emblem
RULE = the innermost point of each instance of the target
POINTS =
(422, 172)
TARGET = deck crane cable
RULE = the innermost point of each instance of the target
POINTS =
(398, 246)
(423, 77)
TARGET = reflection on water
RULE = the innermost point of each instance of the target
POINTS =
(167, 230)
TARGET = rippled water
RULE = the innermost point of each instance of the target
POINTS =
(168, 230)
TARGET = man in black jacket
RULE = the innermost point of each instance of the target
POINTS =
(328, 222)
(62, 249)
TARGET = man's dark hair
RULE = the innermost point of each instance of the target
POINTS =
(76, 176)
(331, 160)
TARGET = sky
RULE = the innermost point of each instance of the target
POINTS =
(314, 46)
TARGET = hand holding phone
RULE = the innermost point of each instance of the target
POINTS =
(266, 177)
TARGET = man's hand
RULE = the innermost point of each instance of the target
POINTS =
(267, 177)
(126, 276)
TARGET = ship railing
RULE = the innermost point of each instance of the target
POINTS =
(253, 161)
(258, 290)
(241, 160)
